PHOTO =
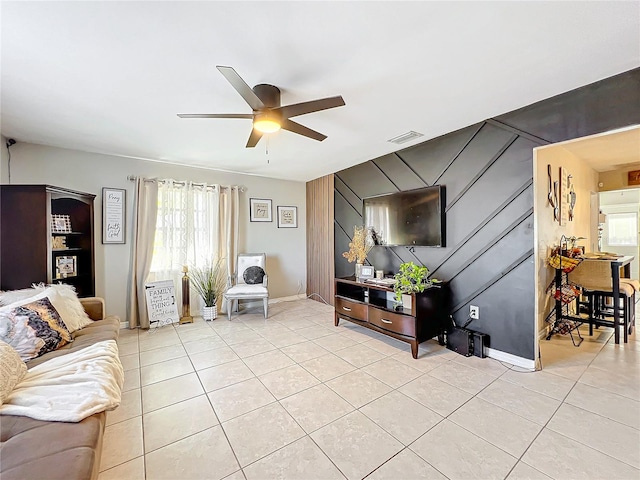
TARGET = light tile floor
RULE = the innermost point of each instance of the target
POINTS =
(294, 397)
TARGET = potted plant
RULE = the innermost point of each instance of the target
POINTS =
(359, 247)
(210, 282)
(410, 279)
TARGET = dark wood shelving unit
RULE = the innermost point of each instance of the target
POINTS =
(26, 249)
(370, 306)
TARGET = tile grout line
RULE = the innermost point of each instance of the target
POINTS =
(385, 356)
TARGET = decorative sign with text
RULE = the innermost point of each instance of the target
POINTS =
(114, 202)
(161, 302)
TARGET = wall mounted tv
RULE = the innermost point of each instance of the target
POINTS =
(411, 218)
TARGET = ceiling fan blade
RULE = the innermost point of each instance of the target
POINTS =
(254, 138)
(296, 109)
(301, 130)
(241, 87)
(216, 115)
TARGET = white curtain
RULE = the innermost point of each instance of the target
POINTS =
(144, 227)
(196, 225)
(228, 233)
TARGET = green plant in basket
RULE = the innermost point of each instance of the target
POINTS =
(410, 279)
(210, 281)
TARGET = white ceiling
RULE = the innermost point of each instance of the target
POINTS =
(606, 152)
(110, 76)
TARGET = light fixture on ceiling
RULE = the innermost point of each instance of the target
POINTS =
(405, 137)
(266, 122)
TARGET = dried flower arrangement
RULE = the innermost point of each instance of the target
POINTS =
(360, 245)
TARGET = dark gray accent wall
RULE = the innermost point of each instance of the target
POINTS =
(488, 173)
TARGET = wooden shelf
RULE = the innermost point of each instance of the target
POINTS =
(26, 247)
(368, 305)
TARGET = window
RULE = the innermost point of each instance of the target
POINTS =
(186, 229)
(622, 229)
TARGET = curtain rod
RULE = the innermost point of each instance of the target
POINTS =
(133, 178)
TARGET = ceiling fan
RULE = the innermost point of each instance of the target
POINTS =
(268, 116)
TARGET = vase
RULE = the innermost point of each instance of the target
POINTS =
(406, 302)
(358, 270)
(210, 313)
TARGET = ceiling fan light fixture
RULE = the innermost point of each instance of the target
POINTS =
(266, 123)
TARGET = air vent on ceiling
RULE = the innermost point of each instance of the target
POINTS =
(405, 137)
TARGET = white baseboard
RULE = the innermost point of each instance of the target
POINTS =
(255, 303)
(290, 298)
(512, 359)
(124, 324)
(542, 334)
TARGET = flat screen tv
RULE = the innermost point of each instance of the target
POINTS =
(410, 218)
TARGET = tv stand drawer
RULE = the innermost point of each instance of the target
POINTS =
(351, 309)
(394, 322)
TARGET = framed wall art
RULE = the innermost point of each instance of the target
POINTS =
(287, 217)
(260, 210)
(61, 224)
(114, 204)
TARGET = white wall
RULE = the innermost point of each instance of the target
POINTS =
(4, 160)
(547, 230)
(89, 172)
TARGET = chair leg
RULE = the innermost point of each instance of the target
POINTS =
(266, 307)
(626, 317)
(590, 313)
(632, 306)
(229, 305)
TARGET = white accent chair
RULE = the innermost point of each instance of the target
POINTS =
(238, 289)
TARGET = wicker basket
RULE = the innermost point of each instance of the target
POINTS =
(593, 275)
(567, 264)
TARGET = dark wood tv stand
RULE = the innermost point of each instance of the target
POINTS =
(368, 305)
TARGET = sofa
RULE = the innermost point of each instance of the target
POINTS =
(37, 449)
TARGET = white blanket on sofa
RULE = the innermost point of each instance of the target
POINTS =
(70, 387)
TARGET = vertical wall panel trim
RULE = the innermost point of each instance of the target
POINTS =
(320, 232)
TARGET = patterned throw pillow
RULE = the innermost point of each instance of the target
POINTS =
(63, 298)
(253, 275)
(33, 329)
(12, 370)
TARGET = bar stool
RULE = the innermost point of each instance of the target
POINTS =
(594, 276)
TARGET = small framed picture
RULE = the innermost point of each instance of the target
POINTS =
(260, 210)
(367, 271)
(66, 266)
(287, 217)
(61, 224)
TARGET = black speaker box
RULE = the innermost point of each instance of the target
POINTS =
(466, 342)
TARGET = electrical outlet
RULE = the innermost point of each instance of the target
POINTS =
(474, 312)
